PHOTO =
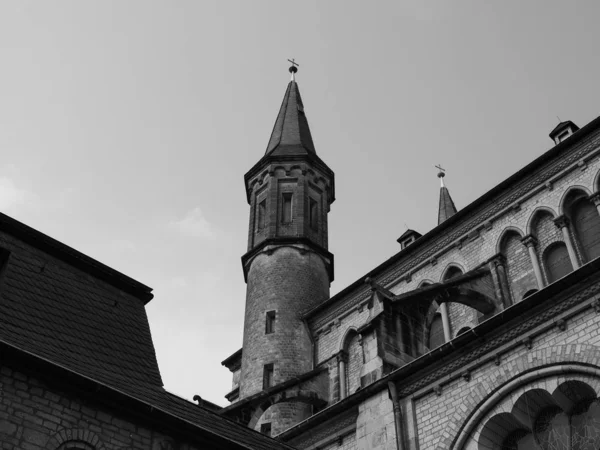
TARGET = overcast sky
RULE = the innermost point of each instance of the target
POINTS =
(126, 128)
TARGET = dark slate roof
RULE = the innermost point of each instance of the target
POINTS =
(446, 208)
(63, 314)
(69, 321)
(291, 134)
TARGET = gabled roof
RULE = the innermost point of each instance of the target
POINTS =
(446, 207)
(291, 134)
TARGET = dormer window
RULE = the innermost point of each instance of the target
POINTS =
(407, 242)
(407, 238)
(562, 131)
(562, 136)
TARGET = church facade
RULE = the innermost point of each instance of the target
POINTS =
(480, 334)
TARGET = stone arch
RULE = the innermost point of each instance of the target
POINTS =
(347, 334)
(507, 232)
(576, 191)
(75, 438)
(469, 297)
(534, 215)
(534, 365)
(453, 266)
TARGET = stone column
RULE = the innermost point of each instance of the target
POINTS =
(562, 222)
(341, 360)
(446, 322)
(497, 267)
(530, 242)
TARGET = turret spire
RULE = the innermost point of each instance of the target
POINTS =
(446, 207)
(291, 134)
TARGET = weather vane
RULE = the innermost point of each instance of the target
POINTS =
(441, 174)
(293, 68)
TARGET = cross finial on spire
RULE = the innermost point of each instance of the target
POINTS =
(441, 174)
(293, 68)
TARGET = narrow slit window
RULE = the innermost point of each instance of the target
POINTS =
(286, 208)
(268, 376)
(312, 212)
(270, 322)
(262, 214)
(265, 428)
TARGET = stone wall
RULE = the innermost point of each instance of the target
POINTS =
(35, 416)
(439, 414)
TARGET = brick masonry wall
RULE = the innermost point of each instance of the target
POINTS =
(470, 255)
(477, 248)
(437, 418)
(34, 416)
(515, 211)
(375, 429)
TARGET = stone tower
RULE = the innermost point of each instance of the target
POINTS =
(287, 268)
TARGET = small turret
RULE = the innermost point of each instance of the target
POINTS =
(446, 208)
(288, 268)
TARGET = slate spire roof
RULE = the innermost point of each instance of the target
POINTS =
(291, 134)
(446, 207)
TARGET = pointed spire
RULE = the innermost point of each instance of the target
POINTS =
(446, 207)
(291, 134)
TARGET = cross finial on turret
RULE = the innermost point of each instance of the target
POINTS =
(293, 68)
(441, 174)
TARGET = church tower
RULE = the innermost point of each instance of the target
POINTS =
(287, 268)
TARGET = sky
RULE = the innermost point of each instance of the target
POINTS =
(126, 129)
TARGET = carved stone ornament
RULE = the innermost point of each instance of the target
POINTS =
(529, 241)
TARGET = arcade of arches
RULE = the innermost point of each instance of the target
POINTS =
(551, 414)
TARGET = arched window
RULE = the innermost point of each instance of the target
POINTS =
(436, 332)
(557, 261)
(452, 272)
(355, 362)
(519, 268)
(586, 227)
